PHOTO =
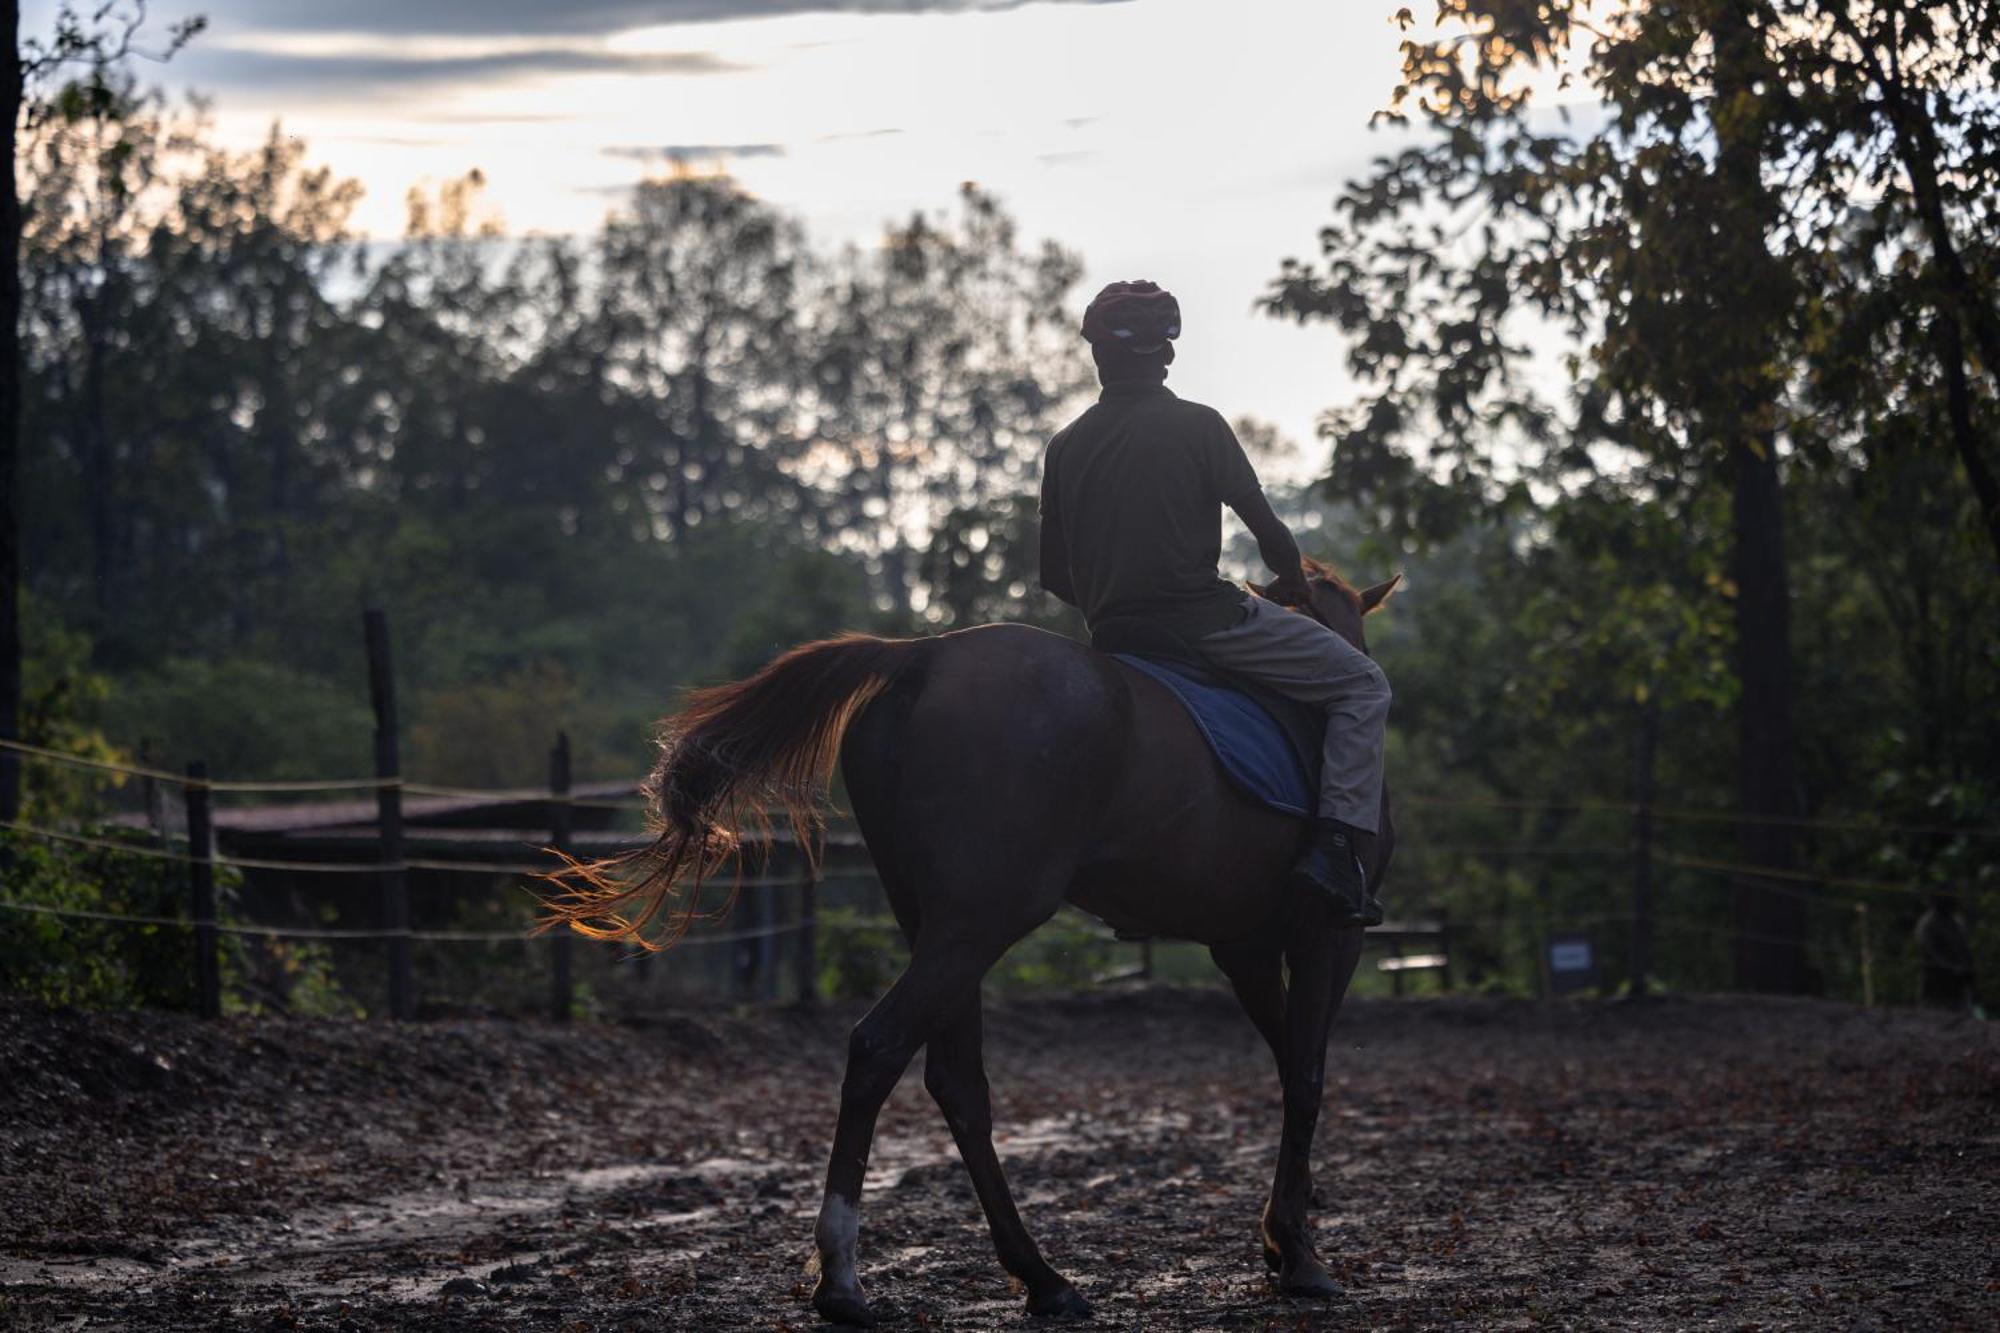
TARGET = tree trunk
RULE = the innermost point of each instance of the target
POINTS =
(10, 424)
(1769, 915)
(98, 464)
(1964, 434)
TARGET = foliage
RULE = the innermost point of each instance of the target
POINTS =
(242, 715)
(639, 458)
(858, 956)
(108, 964)
(1068, 952)
(1749, 260)
(496, 733)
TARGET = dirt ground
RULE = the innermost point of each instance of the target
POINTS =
(1691, 1163)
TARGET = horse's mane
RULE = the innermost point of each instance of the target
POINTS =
(1321, 572)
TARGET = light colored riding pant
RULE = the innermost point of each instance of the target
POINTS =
(1296, 656)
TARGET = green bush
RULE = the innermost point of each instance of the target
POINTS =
(1070, 952)
(856, 957)
(113, 964)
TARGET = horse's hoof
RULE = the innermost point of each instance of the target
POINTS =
(848, 1308)
(1065, 1302)
(1310, 1280)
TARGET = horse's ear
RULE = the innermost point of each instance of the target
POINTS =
(1372, 598)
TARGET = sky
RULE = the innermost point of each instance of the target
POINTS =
(1194, 142)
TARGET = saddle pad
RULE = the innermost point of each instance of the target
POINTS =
(1253, 748)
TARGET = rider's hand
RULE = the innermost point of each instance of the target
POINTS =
(1289, 590)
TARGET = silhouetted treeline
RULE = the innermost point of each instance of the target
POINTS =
(658, 451)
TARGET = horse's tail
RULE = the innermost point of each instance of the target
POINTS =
(728, 758)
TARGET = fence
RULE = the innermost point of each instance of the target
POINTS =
(781, 928)
(383, 829)
(784, 868)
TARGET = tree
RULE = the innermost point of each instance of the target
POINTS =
(698, 284)
(100, 41)
(181, 352)
(941, 363)
(1677, 235)
(10, 427)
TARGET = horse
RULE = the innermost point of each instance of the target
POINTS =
(997, 773)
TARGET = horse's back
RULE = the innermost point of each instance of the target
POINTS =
(1025, 750)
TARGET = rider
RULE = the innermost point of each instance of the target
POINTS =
(1132, 496)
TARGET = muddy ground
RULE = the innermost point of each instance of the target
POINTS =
(1692, 1163)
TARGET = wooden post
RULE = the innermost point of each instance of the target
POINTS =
(389, 815)
(150, 794)
(761, 956)
(1640, 965)
(561, 986)
(806, 937)
(1867, 955)
(1444, 949)
(201, 885)
(1146, 960)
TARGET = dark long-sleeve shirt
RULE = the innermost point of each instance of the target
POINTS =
(1132, 497)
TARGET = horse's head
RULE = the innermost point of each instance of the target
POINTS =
(1335, 603)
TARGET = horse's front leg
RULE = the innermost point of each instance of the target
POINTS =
(1322, 957)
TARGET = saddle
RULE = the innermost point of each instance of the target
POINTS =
(1270, 746)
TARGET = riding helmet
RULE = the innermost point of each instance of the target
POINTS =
(1141, 317)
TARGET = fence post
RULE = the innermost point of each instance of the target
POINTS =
(561, 990)
(150, 794)
(1640, 965)
(389, 814)
(1867, 956)
(767, 944)
(201, 884)
(807, 960)
(1444, 949)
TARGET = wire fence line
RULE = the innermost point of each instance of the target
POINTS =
(538, 869)
(523, 870)
(1737, 868)
(502, 795)
(528, 934)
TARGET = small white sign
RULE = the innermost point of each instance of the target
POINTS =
(1570, 956)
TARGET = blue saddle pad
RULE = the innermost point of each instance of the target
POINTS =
(1255, 750)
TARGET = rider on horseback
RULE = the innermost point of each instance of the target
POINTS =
(1132, 496)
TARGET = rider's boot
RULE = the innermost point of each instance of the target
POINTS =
(1332, 864)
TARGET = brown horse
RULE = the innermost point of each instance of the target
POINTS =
(997, 773)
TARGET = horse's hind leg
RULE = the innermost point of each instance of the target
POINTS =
(955, 1073)
(943, 978)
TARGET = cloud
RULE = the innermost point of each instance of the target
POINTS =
(517, 17)
(495, 118)
(860, 134)
(282, 71)
(690, 152)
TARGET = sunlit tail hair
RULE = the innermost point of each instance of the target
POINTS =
(728, 758)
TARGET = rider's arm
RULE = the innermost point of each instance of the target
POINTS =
(1274, 540)
(1055, 551)
(1234, 482)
